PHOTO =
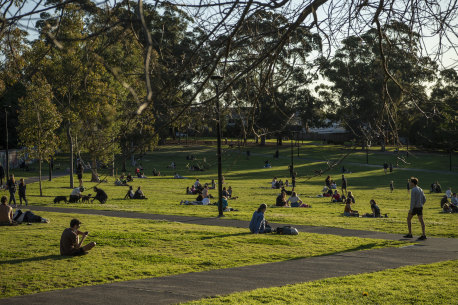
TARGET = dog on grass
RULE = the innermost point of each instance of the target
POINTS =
(86, 198)
(58, 199)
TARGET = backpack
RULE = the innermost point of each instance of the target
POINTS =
(287, 230)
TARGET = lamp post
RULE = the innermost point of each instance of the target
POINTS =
(6, 148)
(217, 79)
(291, 170)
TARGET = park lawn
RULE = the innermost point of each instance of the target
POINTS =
(422, 284)
(133, 248)
(251, 183)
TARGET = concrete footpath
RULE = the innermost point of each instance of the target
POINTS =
(194, 286)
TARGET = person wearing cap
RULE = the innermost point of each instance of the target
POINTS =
(69, 241)
(76, 194)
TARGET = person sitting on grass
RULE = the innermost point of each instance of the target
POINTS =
(75, 195)
(130, 193)
(177, 176)
(129, 178)
(274, 183)
(296, 202)
(70, 245)
(139, 194)
(212, 185)
(444, 201)
(229, 193)
(226, 208)
(205, 192)
(327, 181)
(336, 197)
(188, 191)
(100, 195)
(375, 209)
(348, 211)
(281, 200)
(258, 223)
(6, 212)
(350, 196)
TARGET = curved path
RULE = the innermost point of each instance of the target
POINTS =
(194, 286)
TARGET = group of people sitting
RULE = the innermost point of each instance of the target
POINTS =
(375, 210)
(277, 184)
(452, 205)
(435, 187)
(139, 172)
(8, 218)
(122, 181)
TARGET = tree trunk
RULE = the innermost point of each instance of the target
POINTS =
(263, 140)
(94, 170)
(70, 142)
(124, 165)
(39, 176)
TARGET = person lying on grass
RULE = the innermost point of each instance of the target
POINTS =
(258, 223)
(200, 200)
(348, 211)
(70, 244)
(296, 202)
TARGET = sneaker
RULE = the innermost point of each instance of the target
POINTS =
(408, 236)
(423, 237)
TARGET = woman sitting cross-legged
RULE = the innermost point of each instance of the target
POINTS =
(296, 202)
(375, 209)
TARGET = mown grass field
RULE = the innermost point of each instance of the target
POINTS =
(423, 284)
(251, 183)
(128, 249)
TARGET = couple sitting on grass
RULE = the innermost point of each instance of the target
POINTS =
(294, 201)
(137, 195)
(374, 207)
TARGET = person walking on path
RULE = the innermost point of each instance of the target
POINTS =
(2, 174)
(11, 185)
(417, 200)
(22, 188)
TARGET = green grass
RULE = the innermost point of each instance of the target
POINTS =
(133, 248)
(423, 284)
(252, 184)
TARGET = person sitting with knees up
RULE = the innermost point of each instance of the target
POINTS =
(281, 200)
(348, 211)
(139, 194)
(296, 202)
(375, 209)
(130, 193)
(336, 197)
(69, 241)
(258, 223)
(100, 195)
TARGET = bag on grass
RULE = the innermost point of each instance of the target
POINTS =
(287, 230)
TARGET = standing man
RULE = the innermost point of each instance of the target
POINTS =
(417, 200)
(79, 172)
(344, 185)
(70, 243)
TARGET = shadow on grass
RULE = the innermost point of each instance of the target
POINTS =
(226, 235)
(34, 259)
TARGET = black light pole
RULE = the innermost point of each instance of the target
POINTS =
(6, 150)
(217, 79)
(292, 157)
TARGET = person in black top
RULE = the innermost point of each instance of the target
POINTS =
(139, 194)
(100, 195)
(344, 185)
(22, 188)
(11, 185)
(79, 172)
